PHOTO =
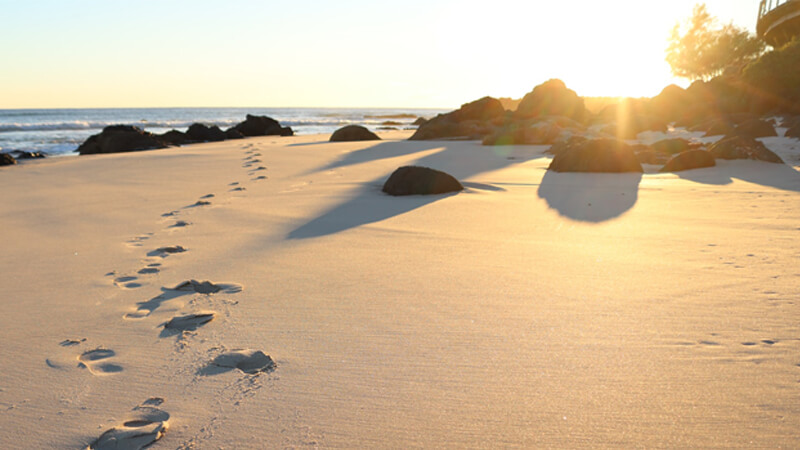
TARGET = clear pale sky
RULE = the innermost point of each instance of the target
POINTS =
(349, 53)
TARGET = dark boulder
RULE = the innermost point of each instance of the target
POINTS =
(173, 137)
(742, 147)
(419, 121)
(199, 132)
(674, 146)
(566, 144)
(552, 98)
(717, 127)
(230, 133)
(648, 155)
(597, 155)
(542, 133)
(120, 138)
(755, 128)
(7, 160)
(472, 121)
(262, 126)
(415, 180)
(353, 133)
(690, 159)
(671, 104)
(793, 132)
(19, 154)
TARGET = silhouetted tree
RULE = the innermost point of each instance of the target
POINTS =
(700, 49)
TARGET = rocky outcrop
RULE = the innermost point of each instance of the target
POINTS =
(563, 145)
(121, 138)
(173, 137)
(670, 104)
(541, 133)
(230, 133)
(199, 132)
(690, 159)
(793, 132)
(19, 154)
(552, 98)
(674, 146)
(756, 128)
(262, 126)
(353, 133)
(741, 147)
(415, 180)
(7, 160)
(597, 155)
(472, 121)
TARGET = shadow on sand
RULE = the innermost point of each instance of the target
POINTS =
(778, 176)
(590, 197)
(370, 205)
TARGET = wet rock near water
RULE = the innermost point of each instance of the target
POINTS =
(121, 138)
(262, 126)
(472, 121)
(7, 160)
(352, 133)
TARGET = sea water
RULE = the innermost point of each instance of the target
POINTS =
(61, 131)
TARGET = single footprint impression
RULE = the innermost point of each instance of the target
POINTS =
(146, 425)
(96, 361)
(189, 322)
(248, 361)
(207, 287)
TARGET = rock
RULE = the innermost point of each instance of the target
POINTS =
(793, 132)
(690, 159)
(634, 124)
(420, 121)
(7, 160)
(353, 133)
(756, 128)
(671, 104)
(552, 98)
(199, 132)
(173, 137)
(390, 123)
(473, 120)
(543, 133)
(415, 180)
(121, 138)
(230, 133)
(566, 144)
(597, 155)
(647, 155)
(262, 126)
(742, 147)
(673, 146)
(19, 154)
(719, 127)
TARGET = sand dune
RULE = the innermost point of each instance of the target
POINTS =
(534, 309)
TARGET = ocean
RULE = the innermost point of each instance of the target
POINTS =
(59, 132)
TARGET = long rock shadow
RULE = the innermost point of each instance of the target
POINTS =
(370, 205)
(779, 176)
(590, 197)
(382, 150)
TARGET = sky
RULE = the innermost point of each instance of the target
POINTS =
(324, 53)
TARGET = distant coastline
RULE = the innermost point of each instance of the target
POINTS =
(60, 131)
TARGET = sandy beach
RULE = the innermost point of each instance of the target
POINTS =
(535, 309)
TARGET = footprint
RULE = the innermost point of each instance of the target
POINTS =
(200, 203)
(208, 196)
(180, 224)
(189, 322)
(261, 177)
(238, 189)
(248, 361)
(148, 271)
(146, 425)
(207, 287)
(95, 361)
(259, 168)
(71, 342)
(127, 282)
(170, 214)
(235, 183)
(170, 250)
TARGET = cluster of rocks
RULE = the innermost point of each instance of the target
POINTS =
(10, 158)
(126, 138)
(552, 114)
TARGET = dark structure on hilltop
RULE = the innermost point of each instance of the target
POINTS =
(778, 21)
